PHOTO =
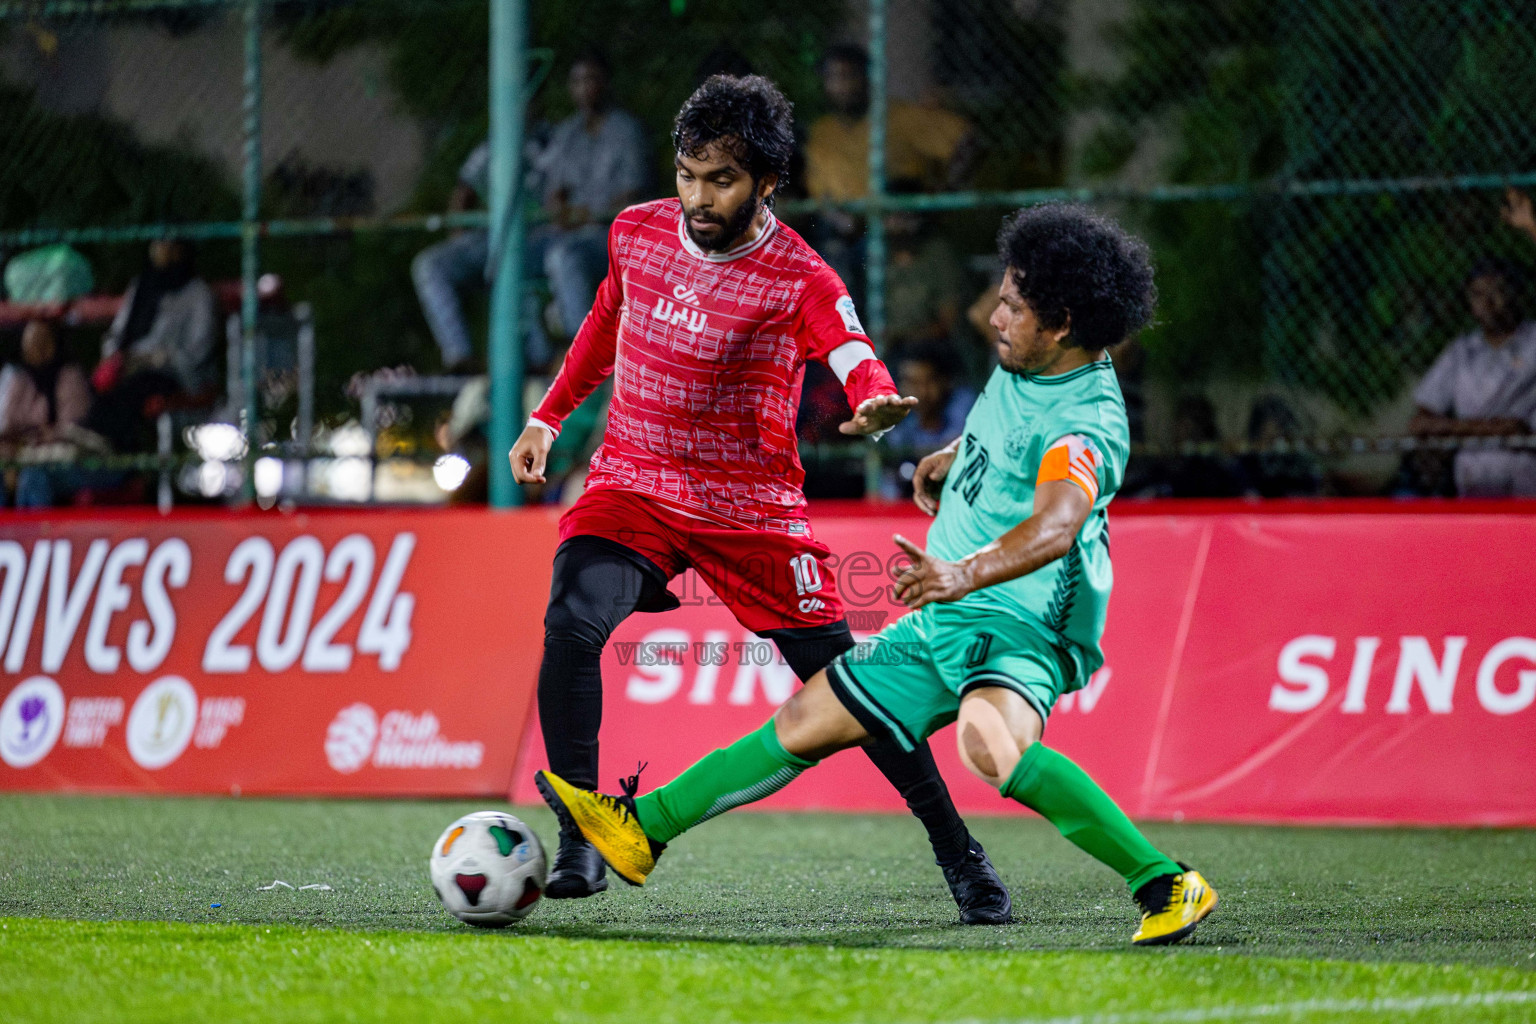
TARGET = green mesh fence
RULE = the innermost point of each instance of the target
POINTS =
(1316, 178)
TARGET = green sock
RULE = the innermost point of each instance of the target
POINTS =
(754, 767)
(1050, 784)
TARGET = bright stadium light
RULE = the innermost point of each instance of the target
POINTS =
(349, 479)
(350, 439)
(449, 471)
(268, 477)
(211, 477)
(221, 442)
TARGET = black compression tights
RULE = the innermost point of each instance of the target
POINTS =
(594, 589)
(915, 775)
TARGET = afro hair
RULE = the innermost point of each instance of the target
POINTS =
(1076, 267)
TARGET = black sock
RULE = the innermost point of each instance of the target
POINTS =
(571, 709)
(916, 777)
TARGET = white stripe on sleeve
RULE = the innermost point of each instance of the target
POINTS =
(848, 355)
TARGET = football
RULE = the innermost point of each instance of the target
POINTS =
(488, 869)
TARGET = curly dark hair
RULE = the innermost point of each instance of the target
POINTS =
(748, 117)
(1070, 261)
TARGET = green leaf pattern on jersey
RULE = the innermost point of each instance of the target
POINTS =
(1065, 594)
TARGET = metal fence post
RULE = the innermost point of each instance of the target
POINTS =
(509, 72)
(874, 231)
(250, 227)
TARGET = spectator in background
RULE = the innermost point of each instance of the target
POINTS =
(1273, 474)
(160, 350)
(593, 166)
(43, 401)
(1484, 385)
(928, 371)
(925, 144)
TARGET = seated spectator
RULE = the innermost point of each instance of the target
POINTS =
(43, 401)
(1273, 474)
(926, 144)
(929, 372)
(159, 352)
(593, 167)
(1484, 385)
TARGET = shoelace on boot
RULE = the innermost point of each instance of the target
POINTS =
(625, 803)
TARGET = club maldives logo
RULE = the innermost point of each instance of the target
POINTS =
(30, 721)
(357, 736)
(161, 722)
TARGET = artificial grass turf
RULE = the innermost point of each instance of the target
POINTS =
(751, 917)
(867, 881)
(167, 972)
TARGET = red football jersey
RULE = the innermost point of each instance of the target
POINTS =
(708, 351)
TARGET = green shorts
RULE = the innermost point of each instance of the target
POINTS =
(906, 681)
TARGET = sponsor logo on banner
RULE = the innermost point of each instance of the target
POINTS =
(30, 721)
(215, 718)
(349, 739)
(401, 739)
(90, 718)
(161, 722)
(1425, 671)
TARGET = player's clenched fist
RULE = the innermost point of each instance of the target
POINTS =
(928, 579)
(529, 454)
(928, 481)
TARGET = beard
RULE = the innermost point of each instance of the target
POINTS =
(731, 228)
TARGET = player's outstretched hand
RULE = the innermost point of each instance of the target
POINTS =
(879, 413)
(929, 478)
(928, 579)
(529, 454)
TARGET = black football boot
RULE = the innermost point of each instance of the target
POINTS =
(579, 870)
(977, 890)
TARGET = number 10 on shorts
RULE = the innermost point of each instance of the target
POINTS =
(807, 580)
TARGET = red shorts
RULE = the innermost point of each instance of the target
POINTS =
(768, 580)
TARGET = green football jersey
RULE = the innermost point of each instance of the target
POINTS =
(1075, 424)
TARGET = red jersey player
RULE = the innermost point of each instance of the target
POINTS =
(708, 314)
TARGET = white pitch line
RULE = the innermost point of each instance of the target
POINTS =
(1262, 1010)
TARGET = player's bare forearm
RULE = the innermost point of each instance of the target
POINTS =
(1060, 510)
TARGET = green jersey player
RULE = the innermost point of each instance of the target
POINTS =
(1007, 602)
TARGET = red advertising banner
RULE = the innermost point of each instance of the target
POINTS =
(360, 653)
(1271, 667)
(1372, 666)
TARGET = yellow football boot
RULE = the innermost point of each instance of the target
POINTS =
(608, 823)
(1171, 906)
